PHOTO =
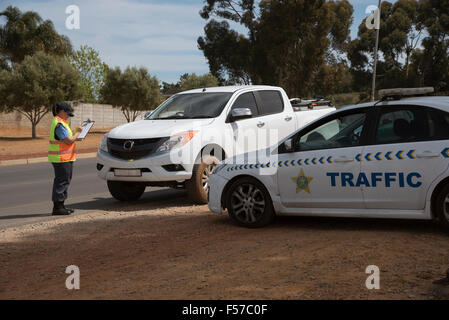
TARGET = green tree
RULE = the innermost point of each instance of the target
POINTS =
(92, 70)
(170, 88)
(432, 62)
(286, 44)
(133, 90)
(193, 81)
(35, 85)
(24, 34)
(401, 32)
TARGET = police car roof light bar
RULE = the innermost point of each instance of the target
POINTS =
(399, 93)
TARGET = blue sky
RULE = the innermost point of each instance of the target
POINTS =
(159, 35)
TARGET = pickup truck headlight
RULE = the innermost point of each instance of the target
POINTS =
(104, 143)
(177, 141)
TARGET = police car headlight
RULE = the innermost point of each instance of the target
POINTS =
(219, 168)
(104, 143)
(177, 141)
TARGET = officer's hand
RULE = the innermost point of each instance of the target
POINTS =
(79, 129)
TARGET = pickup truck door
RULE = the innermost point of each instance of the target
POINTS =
(322, 170)
(248, 134)
(277, 117)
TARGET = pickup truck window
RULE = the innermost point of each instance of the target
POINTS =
(247, 100)
(270, 102)
(192, 106)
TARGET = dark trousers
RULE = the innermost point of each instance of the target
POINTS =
(63, 176)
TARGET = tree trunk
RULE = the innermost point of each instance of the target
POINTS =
(407, 64)
(33, 130)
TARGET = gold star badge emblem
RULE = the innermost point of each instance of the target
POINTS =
(302, 182)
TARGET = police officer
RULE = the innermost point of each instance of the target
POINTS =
(61, 154)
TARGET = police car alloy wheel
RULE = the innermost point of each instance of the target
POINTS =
(442, 207)
(249, 204)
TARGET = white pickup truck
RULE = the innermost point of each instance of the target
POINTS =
(179, 144)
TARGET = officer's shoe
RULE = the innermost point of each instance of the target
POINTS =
(59, 210)
(68, 209)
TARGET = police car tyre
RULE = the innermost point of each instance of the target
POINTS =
(126, 191)
(442, 207)
(249, 203)
(198, 185)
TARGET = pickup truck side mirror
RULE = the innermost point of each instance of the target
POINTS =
(241, 113)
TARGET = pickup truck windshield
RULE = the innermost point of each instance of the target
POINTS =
(191, 106)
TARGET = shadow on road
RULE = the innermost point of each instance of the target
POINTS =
(150, 200)
(322, 224)
(25, 216)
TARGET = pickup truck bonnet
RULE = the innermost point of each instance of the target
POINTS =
(146, 129)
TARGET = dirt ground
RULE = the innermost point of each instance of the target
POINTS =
(17, 144)
(174, 250)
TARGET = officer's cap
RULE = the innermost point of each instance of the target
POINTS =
(66, 107)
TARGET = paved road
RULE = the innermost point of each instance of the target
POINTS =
(25, 192)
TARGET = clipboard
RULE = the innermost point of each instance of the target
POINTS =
(86, 129)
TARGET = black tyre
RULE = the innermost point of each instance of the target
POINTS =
(249, 204)
(126, 191)
(198, 186)
(442, 207)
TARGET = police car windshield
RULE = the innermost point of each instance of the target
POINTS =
(192, 106)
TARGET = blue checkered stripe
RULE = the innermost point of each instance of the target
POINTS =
(379, 156)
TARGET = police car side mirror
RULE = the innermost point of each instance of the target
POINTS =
(288, 145)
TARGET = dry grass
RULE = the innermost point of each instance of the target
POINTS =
(18, 144)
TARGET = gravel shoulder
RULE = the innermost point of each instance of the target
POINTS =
(171, 249)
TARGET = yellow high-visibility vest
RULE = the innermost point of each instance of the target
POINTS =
(58, 151)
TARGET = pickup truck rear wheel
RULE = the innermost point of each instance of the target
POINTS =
(249, 203)
(126, 191)
(198, 186)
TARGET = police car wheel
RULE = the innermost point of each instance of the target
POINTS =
(126, 191)
(249, 204)
(442, 206)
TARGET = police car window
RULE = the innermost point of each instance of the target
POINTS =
(246, 100)
(439, 124)
(341, 132)
(404, 125)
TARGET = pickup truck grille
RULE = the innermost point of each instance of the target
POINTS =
(133, 149)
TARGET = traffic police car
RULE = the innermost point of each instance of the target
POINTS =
(388, 159)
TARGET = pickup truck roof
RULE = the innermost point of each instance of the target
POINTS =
(231, 89)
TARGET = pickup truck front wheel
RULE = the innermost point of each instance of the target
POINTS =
(198, 186)
(126, 191)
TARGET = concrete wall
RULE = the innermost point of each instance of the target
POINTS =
(105, 117)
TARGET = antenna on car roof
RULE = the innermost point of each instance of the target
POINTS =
(204, 90)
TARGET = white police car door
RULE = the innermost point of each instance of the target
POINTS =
(322, 170)
(408, 154)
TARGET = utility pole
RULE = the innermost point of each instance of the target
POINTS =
(373, 90)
